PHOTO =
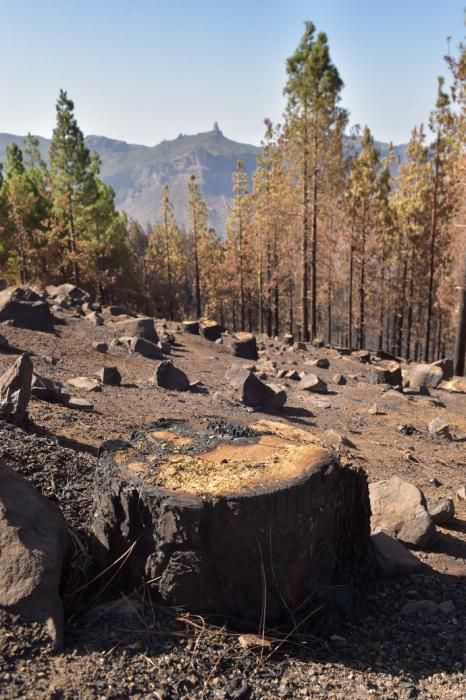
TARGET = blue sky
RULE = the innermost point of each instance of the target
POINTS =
(144, 70)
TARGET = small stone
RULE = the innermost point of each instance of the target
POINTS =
(311, 382)
(15, 390)
(373, 410)
(292, 374)
(439, 427)
(441, 510)
(100, 347)
(426, 608)
(339, 379)
(461, 493)
(79, 404)
(85, 384)
(447, 607)
(392, 557)
(110, 376)
(321, 362)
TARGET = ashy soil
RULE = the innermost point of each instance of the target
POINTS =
(131, 648)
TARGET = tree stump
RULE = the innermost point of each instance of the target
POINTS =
(244, 345)
(252, 524)
(210, 330)
(191, 327)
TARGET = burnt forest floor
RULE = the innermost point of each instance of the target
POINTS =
(130, 647)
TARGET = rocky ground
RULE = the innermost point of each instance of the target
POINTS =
(129, 647)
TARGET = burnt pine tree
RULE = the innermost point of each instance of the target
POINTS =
(197, 217)
(313, 89)
(72, 178)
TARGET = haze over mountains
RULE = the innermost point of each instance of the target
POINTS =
(138, 173)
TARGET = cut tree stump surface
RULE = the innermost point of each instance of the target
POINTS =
(216, 519)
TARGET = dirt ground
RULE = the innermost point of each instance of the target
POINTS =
(135, 650)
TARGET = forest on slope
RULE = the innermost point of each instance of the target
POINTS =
(326, 241)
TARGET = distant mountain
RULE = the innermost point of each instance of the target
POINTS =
(138, 173)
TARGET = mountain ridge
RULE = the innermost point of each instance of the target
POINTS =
(139, 172)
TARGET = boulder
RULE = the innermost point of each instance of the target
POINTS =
(210, 330)
(138, 328)
(399, 508)
(25, 309)
(46, 389)
(110, 376)
(339, 379)
(109, 311)
(292, 374)
(191, 327)
(253, 392)
(85, 384)
(33, 547)
(392, 557)
(418, 376)
(321, 362)
(165, 347)
(441, 510)
(143, 347)
(68, 292)
(15, 390)
(446, 365)
(100, 347)
(168, 376)
(244, 345)
(311, 382)
(299, 345)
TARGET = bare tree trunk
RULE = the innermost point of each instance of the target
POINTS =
(399, 339)
(305, 242)
(350, 294)
(433, 238)
(460, 344)
(314, 245)
(362, 294)
(73, 246)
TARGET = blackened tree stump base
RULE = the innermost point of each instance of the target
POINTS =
(253, 525)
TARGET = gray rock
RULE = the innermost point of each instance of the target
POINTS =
(25, 309)
(15, 390)
(84, 384)
(339, 379)
(438, 426)
(392, 557)
(399, 508)
(441, 510)
(446, 365)
(361, 355)
(425, 608)
(292, 374)
(46, 389)
(100, 347)
(422, 376)
(311, 382)
(110, 376)
(33, 546)
(191, 327)
(253, 392)
(79, 404)
(165, 347)
(386, 375)
(143, 347)
(447, 607)
(4, 345)
(168, 376)
(95, 318)
(138, 328)
(321, 362)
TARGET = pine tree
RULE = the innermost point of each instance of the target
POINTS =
(197, 217)
(238, 229)
(313, 89)
(72, 180)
